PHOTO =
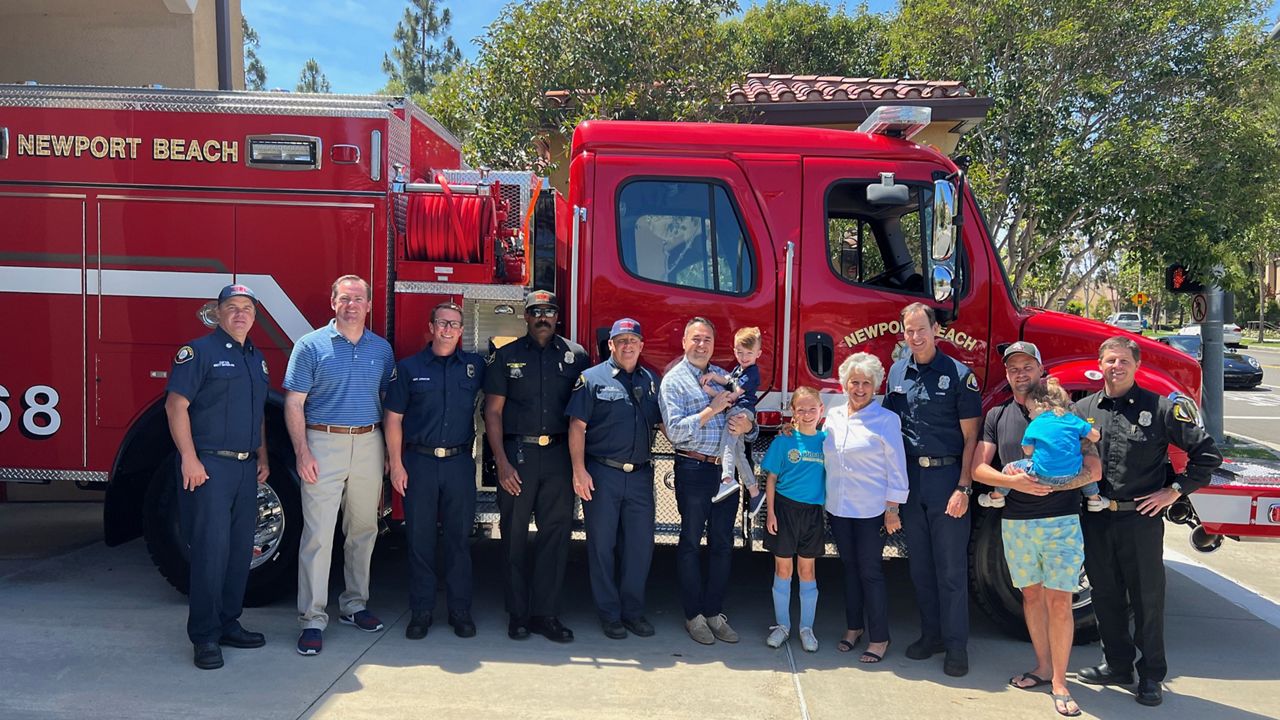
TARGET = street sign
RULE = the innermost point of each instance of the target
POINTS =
(1140, 298)
(1199, 307)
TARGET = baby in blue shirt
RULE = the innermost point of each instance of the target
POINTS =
(1052, 444)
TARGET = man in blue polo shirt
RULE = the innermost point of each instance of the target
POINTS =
(333, 409)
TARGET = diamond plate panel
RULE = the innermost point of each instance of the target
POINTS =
(42, 476)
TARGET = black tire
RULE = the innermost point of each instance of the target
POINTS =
(993, 591)
(273, 577)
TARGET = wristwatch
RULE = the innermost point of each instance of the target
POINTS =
(1177, 487)
(891, 509)
(965, 489)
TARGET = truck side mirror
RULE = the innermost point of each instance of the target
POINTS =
(944, 220)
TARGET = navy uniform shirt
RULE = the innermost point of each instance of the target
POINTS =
(437, 397)
(931, 400)
(226, 384)
(620, 410)
(536, 382)
(1137, 429)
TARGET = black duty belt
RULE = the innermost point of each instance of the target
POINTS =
(539, 440)
(1122, 506)
(694, 454)
(437, 452)
(231, 454)
(623, 466)
(925, 461)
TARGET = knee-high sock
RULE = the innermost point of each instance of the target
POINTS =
(808, 602)
(782, 601)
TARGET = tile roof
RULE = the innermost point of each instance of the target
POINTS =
(761, 88)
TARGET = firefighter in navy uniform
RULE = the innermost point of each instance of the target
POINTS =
(1124, 547)
(527, 386)
(613, 412)
(216, 396)
(429, 427)
(938, 400)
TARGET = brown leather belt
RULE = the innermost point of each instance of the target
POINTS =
(713, 459)
(343, 429)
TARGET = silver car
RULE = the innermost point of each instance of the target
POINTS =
(1126, 321)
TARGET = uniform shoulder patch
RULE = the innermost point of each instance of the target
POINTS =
(395, 373)
(581, 383)
(185, 354)
(492, 357)
(264, 368)
(1184, 409)
(971, 382)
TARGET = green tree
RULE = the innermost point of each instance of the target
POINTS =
(424, 49)
(311, 80)
(620, 59)
(255, 73)
(1115, 125)
(806, 37)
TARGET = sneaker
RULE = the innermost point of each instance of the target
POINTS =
(807, 640)
(991, 500)
(719, 625)
(362, 620)
(1098, 504)
(311, 641)
(778, 634)
(754, 505)
(698, 630)
(727, 487)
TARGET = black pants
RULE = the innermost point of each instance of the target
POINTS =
(619, 519)
(938, 554)
(443, 490)
(546, 493)
(217, 521)
(861, 548)
(1124, 558)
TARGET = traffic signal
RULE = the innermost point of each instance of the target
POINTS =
(1178, 279)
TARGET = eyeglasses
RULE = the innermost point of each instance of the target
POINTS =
(452, 324)
(543, 312)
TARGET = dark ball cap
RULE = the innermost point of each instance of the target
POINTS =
(625, 326)
(540, 297)
(231, 291)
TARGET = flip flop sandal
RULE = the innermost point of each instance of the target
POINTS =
(1037, 681)
(870, 658)
(1064, 699)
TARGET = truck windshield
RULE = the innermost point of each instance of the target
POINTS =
(877, 245)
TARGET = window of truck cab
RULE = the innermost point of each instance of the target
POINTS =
(684, 232)
(882, 246)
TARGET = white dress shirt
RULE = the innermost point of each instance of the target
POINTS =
(865, 461)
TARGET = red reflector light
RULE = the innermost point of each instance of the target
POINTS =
(769, 418)
(344, 154)
(1275, 514)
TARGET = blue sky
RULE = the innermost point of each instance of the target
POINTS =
(349, 37)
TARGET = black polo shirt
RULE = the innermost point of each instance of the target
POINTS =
(536, 382)
(1004, 427)
(437, 397)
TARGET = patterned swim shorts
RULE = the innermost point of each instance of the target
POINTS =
(1047, 551)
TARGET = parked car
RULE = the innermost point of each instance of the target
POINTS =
(1126, 321)
(1239, 371)
(1231, 333)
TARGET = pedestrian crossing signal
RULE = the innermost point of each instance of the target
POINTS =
(1178, 279)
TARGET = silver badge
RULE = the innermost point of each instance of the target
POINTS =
(1144, 418)
(899, 389)
(568, 357)
(514, 372)
(944, 382)
(471, 370)
(264, 368)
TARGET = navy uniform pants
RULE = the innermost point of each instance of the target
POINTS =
(440, 490)
(696, 484)
(938, 551)
(619, 522)
(1124, 558)
(217, 522)
(546, 493)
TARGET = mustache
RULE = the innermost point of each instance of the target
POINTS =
(541, 323)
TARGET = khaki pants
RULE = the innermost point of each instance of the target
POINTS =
(350, 478)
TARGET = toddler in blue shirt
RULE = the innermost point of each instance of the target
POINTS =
(736, 470)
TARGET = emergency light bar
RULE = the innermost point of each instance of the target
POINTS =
(284, 152)
(900, 121)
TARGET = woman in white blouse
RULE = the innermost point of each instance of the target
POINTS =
(866, 482)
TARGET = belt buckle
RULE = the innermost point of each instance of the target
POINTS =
(1113, 506)
(544, 440)
(628, 467)
(924, 461)
(351, 430)
(242, 456)
(438, 452)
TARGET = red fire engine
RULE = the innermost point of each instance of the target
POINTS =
(125, 210)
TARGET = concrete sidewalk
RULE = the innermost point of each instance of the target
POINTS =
(96, 632)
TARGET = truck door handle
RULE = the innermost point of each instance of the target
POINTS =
(820, 352)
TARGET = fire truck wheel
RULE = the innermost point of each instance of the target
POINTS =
(273, 570)
(991, 588)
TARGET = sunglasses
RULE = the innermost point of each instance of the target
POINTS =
(543, 312)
